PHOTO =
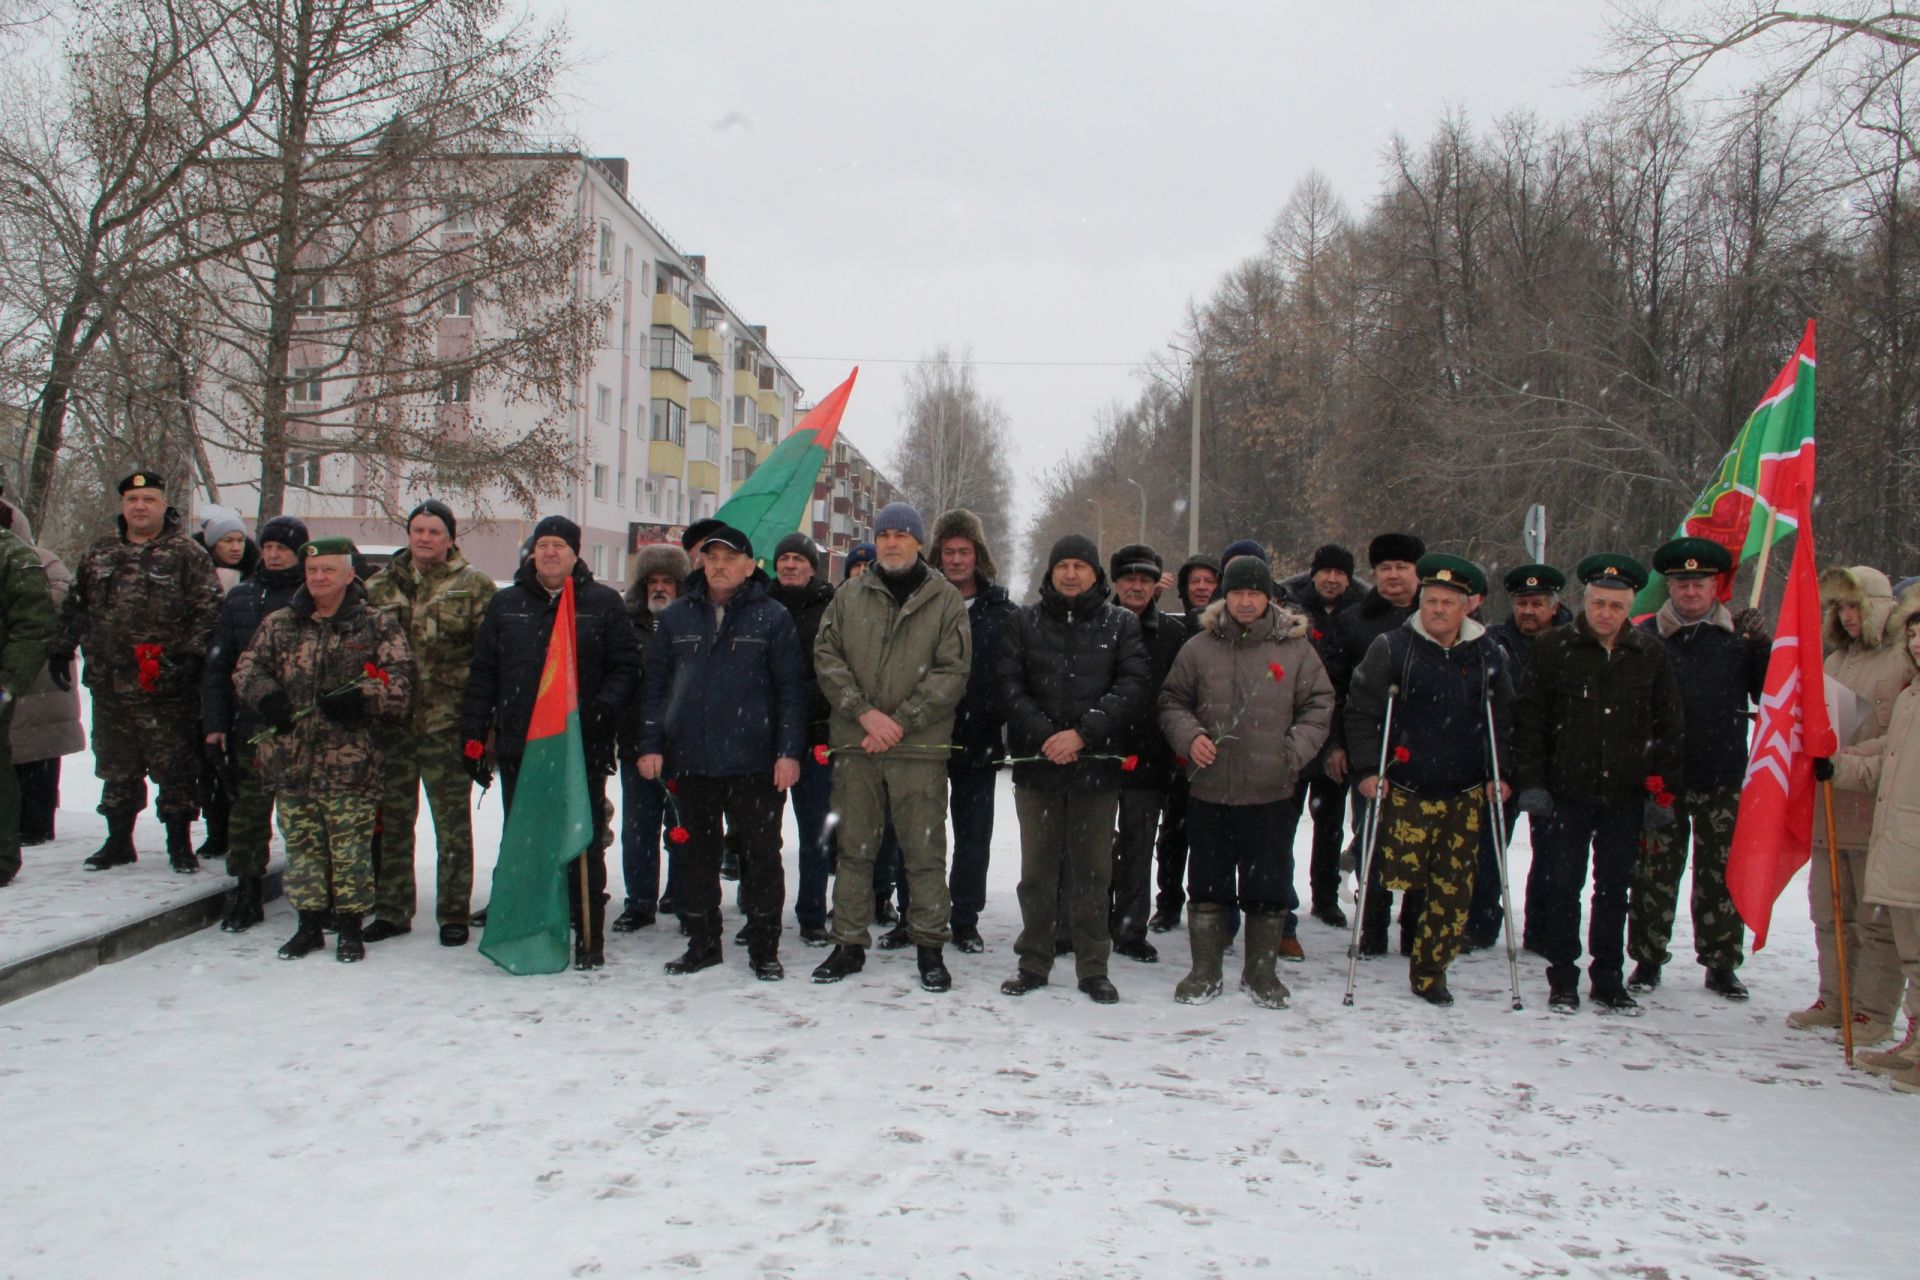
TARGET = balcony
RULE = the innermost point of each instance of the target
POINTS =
(745, 383)
(703, 477)
(744, 438)
(705, 409)
(664, 458)
(668, 385)
(770, 403)
(708, 345)
(669, 310)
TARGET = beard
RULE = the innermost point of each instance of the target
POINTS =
(658, 602)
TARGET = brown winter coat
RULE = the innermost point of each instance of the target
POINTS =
(46, 719)
(1888, 770)
(1874, 667)
(1220, 671)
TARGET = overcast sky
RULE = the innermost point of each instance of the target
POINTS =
(1033, 182)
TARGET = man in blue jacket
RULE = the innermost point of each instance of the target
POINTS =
(725, 716)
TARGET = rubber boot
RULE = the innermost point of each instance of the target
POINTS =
(243, 905)
(1207, 934)
(307, 939)
(118, 850)
(349, 947)
(1264, 931)
(180, 846)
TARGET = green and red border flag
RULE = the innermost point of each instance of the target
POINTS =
(771, 502)
(550, 823)
(1748, 505)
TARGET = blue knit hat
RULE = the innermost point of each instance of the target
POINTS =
(1244, 547)
(903, 517)
(858, 554)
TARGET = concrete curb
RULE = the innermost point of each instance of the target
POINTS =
(83, 955)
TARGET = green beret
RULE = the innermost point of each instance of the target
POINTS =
(334, 546)
(144, 480)
(1441, 570)
(1609, 570)
(1534, 580)
(1692, 558)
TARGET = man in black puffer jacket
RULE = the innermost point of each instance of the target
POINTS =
(1072, 676)
(1324, 592)
(508, 656)
(229, 723)
(1196, 583)
(798, 586)
(725, 716)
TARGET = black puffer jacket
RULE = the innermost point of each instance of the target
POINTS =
(1354, 632)
(1593, 724)
(511, 649)
(1163, 634)
(1299, 589)
(808, 605)
(1439, 714)
(1071, 664)
(977, 723)
(1518, 647)
(242, 611)
(1719, 672)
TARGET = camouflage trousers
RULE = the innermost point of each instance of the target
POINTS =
(410, 762)
(135, 736)
(1719, 938)
(250, 824)
(1431, 847)
(329, 850)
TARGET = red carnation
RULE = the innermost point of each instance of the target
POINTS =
(1179, 762)
(1317, 637)
(821, 754)
(377, 673)
(146, 658)
(1277, 671)
(673, 786)
(679, 835)
(1130, 764)
(1655, 784)
(474, 749)
(1663, 799)
(1401, 755)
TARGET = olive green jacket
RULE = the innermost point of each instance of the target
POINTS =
(909, 660)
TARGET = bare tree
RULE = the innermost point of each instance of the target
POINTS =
(956, 449)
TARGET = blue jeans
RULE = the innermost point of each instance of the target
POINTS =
(812, 799)
(970, 802)
(642, 806)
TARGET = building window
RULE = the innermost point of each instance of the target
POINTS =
(456, 388)
(707, 316)
(600, 481)
(768, 428)
(457, 301)
(620, 490)
(669, 350)
(708, 444)
(306, 386)
(599, 559)
(458, 214)
(674, 284)
(743, 464)
(303, 470)
(606, 249)
(311, 298)
(603, 403)
(669, 422)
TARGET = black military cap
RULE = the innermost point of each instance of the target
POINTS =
(1438, 569)
(698, 532)
(1609, 570)
(1534, 580)
(144, 480)
(1692, 558)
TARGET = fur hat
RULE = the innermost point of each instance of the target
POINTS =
(660, 557)
(1395, 546)
(962, 523)
(1135, 557)
(1862, 585)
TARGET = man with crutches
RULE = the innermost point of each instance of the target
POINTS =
(1439, 752)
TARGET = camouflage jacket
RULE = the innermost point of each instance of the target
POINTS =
(26, 614)
(163, 591)
(304, 657)
(439, 610)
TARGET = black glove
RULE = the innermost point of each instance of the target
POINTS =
(345, 707)
(1751, 625)
(473, 757)
(1536, 801)
(1823, 768)
(276, 711)
(60, 669)
(221, 780)
(1658, 815)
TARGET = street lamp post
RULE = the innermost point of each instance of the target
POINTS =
(1143, 508)
(1193, 465)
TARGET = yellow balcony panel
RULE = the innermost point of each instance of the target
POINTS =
(708, 344)
(665, 458)
(669, 310)
(762, 450)
(703, 477)
(745, 383)
(668, 385)
(705, 409)
(744, 438)
(770, 403)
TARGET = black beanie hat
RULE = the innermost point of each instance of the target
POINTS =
(1332, 556)
(799, 544)
(439, 511)
(1135, 557)
(1075, 546)
(1246, 573)
(1395, 546)
(558, 527)
(288, 531)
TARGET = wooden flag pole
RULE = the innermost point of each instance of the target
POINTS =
(586, 916)
(1839, 924)
(1760, 568)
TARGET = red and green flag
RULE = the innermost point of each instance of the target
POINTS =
(1772, 454)
(771, 502)
(550, 823)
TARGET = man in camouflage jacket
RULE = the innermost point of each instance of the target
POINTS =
(26, 625)
(438, 600)
(320, 673)
(141, 609)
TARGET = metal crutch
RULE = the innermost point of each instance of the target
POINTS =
(1370, 834)
(1500, 854)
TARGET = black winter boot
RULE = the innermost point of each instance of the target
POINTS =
(307, 939)
(1724, 982)
(243, 905)
(763, 955)
(215, 845)
(180, 846)
(590, 947)
(1645, 977)
(1373, 924)
(703, 944)
(841, 962)
(349, 947)
(1412, 903)
(933, 970)
(118, 850)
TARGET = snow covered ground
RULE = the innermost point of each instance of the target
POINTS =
(208, 1109)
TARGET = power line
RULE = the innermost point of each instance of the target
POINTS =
(990, 364)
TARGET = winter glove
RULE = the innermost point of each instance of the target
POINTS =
(219, 777)
(276, 711)
(1752, 627)
(345, 707)
(474, 756)
(1536, 801)
(60, 669)
(1658, 815)
(1823, 769)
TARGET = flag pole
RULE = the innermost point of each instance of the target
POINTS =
(1839, 924)
(1760, 567)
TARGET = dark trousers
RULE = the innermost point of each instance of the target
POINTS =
(1074, 827)
(1172, 853)
(39, 798)
(1487, 913)
(1539, 874)
(1612, 832)
(751, 807)
(643, 807)
(1327, 806)
(1130, 894)
(596, 853)
(1242, 854)
(970, 804)
(812, 800)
